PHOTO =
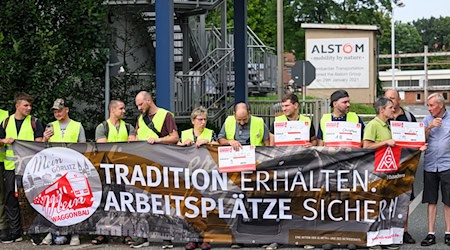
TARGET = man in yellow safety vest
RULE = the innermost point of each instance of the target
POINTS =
(340, 102)
(242, 128)
(21, 125)
(154, 125)
(63, 129)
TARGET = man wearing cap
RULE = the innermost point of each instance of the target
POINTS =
(63, 129)
(20, 125)
(340, 102)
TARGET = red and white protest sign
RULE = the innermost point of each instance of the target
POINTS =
(237, 161)
(291, 133)
(343, 134)
(408, 134)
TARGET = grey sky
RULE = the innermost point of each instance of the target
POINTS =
(416, 9)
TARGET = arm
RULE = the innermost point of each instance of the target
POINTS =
(39, 133)
(437, 122)
(171, 139)
(100, 133)
(132, 134)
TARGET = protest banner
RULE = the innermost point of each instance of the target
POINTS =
(296, 195)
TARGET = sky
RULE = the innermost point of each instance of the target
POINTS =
(416, 9)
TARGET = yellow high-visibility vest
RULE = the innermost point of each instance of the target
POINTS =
(350, 117)
(189, 134)
(26, 133)
(70, 135)
(256, 129)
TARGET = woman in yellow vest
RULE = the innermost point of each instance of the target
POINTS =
(199, 134)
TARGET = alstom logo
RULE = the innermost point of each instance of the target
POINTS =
(346, 48)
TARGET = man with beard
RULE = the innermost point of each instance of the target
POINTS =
(340, 102)
(154, 125)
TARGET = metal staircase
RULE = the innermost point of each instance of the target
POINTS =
(206, 76)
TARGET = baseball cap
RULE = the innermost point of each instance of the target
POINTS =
(338, 94)
(60, 103)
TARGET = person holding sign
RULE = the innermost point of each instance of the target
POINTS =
(437, 165)
(340, 102)
(241, 128)
(377, 133)
(400, 114)
(199, 134)
(405, 116)
(302, 131)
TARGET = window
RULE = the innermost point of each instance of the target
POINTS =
(445, 95)
(418, 97)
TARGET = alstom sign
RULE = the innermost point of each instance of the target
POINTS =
(339, 62)
(346, 48)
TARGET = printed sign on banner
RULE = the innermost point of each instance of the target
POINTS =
(408, 134)
(343, 134)
(237, 161)
(291, 133)
(65, 190)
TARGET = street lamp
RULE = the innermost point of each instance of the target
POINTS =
(395, 3)
(112, 68)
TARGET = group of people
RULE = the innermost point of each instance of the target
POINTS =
(157, 125)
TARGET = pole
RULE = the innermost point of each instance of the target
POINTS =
(107, 88)
(393, 47)
(280, 49)
(425, 68)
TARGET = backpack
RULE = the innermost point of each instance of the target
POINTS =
(33, 123)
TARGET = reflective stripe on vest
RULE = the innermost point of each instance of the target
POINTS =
(256, 130)
(144, 132)
(302, 118)
(70, 134)
(3, 115)
(114, 136)
(26, 133)
(350, 117)
(189, 134)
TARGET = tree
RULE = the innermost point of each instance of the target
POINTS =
(54, 49)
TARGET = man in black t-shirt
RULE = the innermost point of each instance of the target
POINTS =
(404, 116)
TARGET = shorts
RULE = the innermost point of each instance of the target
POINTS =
(431, 181)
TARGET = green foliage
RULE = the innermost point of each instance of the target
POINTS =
(361, 108)
(53, 49)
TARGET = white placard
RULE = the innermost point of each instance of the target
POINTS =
(343, 134)
(339, 62)
(289, 133)
(237, 161)
(408, 134)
